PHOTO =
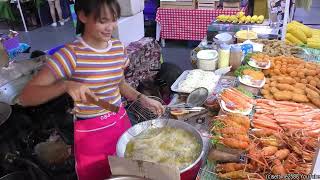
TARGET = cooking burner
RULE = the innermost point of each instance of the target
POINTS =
(27, 127)
(54, 151)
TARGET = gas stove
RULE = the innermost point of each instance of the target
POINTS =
(50, 126)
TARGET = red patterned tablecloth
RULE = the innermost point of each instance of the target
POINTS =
(187, 24)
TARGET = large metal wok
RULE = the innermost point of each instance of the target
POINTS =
(5, 112)
(187, 173)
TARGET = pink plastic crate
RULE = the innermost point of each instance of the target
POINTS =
(11, 43)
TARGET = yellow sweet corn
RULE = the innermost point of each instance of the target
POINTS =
(293, 39)
(313, 40)
(307, 30)
(315, 33)
(290, 26)
(288, 42)
(298, 33)
(313, 43)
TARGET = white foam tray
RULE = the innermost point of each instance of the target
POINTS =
(253, 64)
(183, 76)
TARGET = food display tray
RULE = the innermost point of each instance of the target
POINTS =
(245, 113)
(251, 85)
(253, 64)
(183, 76)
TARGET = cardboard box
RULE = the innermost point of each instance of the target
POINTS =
(179, 4)
(127, 167)
(131, 7)
(208, 4)
(231, 5)
(130, 29)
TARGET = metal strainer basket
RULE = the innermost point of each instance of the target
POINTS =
(143, 116)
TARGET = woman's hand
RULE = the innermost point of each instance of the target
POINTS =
(79, 91)
(152, 104)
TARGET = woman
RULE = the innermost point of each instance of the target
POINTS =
(55, 4)
(91, 66)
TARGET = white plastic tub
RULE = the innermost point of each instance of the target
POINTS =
(207, 60)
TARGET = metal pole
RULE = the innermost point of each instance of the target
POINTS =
(293, 9)
(285, 20)
(22, 17)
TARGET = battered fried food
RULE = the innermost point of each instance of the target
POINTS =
(284, 87)
(286, 80)
(274, 90)
(300, 98)
(283, 95)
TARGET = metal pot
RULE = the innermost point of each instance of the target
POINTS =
(5, 112)
(10, 91)
(16, 76)
(126, 178)
(187, 173)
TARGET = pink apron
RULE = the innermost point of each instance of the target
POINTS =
(94, 140)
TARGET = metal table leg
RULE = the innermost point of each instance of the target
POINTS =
(22, 16)
(163, 43)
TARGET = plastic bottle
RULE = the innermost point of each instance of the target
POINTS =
(224, 55)
(235, 56)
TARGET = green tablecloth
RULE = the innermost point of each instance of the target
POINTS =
(5, 11)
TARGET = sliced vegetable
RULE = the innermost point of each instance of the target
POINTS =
(245, 92)
(239, 71)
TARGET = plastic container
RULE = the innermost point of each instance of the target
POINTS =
(246, 48)
(224, 38)
(207, 60)
(224, 55)
(11, 43)
(235, 56)
(244, 35)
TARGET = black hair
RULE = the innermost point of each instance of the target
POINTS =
(37, 53)
(168, 74)
(94, 6)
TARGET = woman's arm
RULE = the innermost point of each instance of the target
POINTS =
(128, 92)
(131, 94)
(44, 87)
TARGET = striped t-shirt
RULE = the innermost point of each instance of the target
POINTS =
(100, 70)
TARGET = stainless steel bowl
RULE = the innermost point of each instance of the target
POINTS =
(126, 178)
(5, 112)
(138, 128)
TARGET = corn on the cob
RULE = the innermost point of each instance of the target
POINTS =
(313, 43)
(290, 27)
(315, 33)
(307, 30)
(314, 39)
(298, 33)
(293, 39)
(288, 42)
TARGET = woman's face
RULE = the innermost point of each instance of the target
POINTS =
(100, 28)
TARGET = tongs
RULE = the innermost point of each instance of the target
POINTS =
(194, 101)
(185, 107)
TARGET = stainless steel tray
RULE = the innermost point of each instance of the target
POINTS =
(183, 76)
